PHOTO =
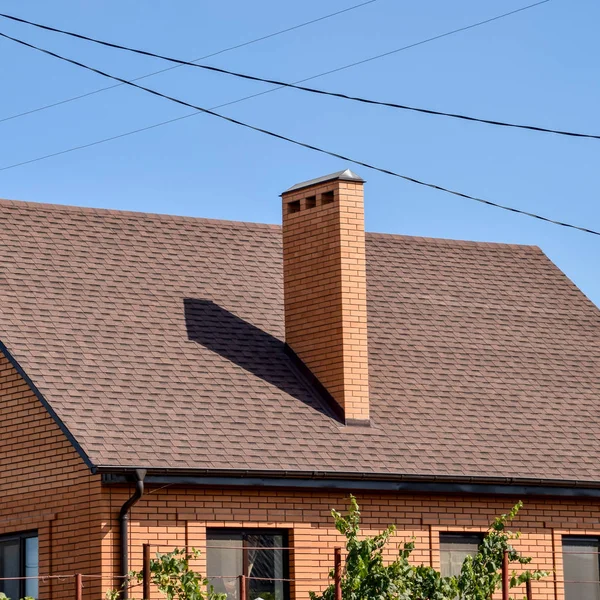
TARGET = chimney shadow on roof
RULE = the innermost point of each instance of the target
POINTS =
(256, 351)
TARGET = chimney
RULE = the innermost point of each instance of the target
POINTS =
(325, 287)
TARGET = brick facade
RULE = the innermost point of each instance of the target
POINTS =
(325, 289)
(172, 517)
(46, 486)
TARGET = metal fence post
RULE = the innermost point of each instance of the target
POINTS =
(146, 572)
(505, 576)
(78, 587)
(337, 572)
(243, 587)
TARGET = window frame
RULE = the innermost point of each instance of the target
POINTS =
(248, 531)
(458, 535)
(20, 536)
(584, 540)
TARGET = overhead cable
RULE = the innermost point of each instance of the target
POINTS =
(180, 62)
(243, 98)
(299, 143)
(222, 51)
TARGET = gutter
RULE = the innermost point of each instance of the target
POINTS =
(140, 474)
(385, 482)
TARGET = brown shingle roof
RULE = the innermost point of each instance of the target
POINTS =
(158, 342)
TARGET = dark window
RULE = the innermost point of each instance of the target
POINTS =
(581, 562)
(454, 548)
(259, 554)
(19, 558)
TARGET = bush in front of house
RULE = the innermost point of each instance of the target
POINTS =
(366, 576)
(173, 577)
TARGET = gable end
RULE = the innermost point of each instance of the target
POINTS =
(13, 361)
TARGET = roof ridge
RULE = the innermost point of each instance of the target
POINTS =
(450, 241)
(49, 206)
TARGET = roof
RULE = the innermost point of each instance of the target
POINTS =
(158, 341)
(346, 175)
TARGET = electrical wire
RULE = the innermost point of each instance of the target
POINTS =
(299, 143)
(244, 98)
(180, 62)
(228, 49)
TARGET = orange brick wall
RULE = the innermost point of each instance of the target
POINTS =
(325, 289)
(172, 517)
(45, 486)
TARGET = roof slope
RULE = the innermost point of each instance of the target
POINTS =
(158, 342)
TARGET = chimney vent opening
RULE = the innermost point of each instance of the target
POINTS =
(311, 201)
(327, 197)
(294, 207)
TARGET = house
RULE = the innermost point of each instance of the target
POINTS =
(190, 382)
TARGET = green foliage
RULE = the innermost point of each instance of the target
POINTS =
(480, 575)
(367, 577)
(172, 575)
(3, 596)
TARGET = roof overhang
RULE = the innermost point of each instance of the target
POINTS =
(495, 486)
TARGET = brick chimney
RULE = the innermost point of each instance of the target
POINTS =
(325, 287)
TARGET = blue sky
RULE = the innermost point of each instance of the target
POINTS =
(537, 67)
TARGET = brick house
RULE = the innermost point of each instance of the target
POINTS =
(191, 382)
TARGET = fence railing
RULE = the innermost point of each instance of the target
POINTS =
(78, 582)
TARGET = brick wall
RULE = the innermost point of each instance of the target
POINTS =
(174, 517)
(325, 289)
(45, 486)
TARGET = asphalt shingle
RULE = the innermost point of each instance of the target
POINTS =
(158, 341)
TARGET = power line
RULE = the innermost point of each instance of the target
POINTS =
(394, 105)
(299, 143)
(431, 39)
(257, 94)
(228, 49)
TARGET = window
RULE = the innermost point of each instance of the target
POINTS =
(454, 548)
(581, 565)
(19, 558)
(255, 553)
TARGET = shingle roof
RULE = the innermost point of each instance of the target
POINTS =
(158, 342)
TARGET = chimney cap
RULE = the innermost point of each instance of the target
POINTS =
(346, 175)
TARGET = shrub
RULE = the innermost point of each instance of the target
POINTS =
(172, 575)
(367, 577)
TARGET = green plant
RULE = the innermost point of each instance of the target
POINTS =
(366, 576)
(172, 575)
(480, 576)
(3, 596)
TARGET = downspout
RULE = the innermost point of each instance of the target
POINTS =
(124, 528)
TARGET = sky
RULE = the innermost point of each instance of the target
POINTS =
(537, 67)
